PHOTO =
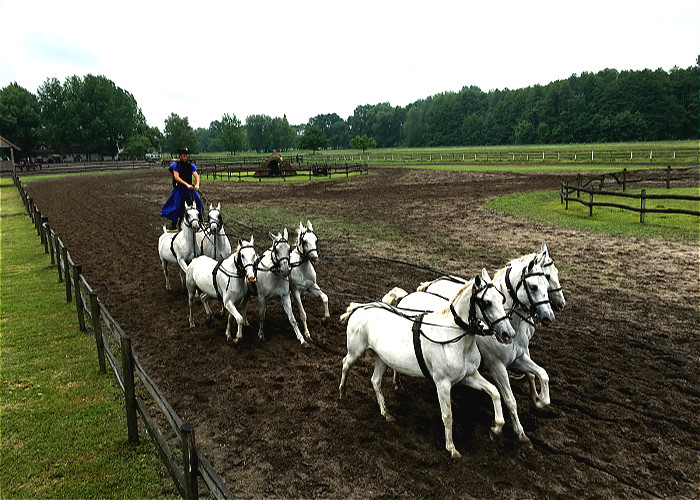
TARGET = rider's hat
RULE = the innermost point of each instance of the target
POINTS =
(183, 151)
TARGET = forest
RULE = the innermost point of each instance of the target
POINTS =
(93, 115)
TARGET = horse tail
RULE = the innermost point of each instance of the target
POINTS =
(351, 309)
(394, 296)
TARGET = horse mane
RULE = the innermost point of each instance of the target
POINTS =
(446, 310)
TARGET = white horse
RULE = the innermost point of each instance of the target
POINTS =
(212, 241)
(524, 286)
(446, 287)
(273, 271)
(181, 247)
(225, 280)
(437, 345)
(302, 277)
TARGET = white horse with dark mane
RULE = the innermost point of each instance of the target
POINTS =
(181, 247)
(272, 271)
(437, 345)
(302, 277)
(226, 280)
(212, 240)
(525, 285)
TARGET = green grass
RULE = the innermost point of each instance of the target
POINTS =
(63, 424)
(546, 206)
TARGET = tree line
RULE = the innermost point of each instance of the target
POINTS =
(96, 116)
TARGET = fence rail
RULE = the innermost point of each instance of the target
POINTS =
(240, 170)
(128, 370)
(621, 179)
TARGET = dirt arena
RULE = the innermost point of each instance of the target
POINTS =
(623, 356)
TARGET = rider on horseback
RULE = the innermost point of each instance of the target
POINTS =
(183, 172)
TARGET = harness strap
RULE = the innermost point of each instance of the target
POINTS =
(216, 285)
(172, 246)
(418, 348)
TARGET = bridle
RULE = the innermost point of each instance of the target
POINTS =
(522, 282)
(548, 276)
(473, 325)
(301, 246)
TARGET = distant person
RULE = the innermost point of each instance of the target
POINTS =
(185, 189)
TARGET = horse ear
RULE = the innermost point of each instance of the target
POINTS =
(211, 207)
(544, 251)
(309, 226)
(485, 276)
(272, 236)
(218, 207)
(301, 227)
(251, 239)
(285, 234)
(477, 284)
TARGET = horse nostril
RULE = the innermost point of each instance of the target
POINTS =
(546, 321)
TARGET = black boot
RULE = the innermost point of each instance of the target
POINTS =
(173, 225)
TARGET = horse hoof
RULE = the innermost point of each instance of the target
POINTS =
(389, 418)
(455, 454)
(525, 441)
(495, 433)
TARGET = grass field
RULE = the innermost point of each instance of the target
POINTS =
(546, 205)
(63, 424)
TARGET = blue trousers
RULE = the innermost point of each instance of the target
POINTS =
(174, 207)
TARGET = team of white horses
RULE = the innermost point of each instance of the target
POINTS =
(444, 331)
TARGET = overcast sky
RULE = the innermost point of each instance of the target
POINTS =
(201, 59)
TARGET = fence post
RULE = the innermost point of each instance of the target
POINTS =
(644, 204)
(566, 196)
(668, 176)
(190, 462)
(77, 272)
(590, 204)
(97, 329)
(44, 233)
(578, 184)
(58, 258)
(129, 392)
(624, 178)
(49, 239)
(66, 273)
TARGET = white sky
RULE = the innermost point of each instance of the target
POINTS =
(201, 59)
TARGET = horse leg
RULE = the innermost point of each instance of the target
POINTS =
(287, 306)
(444, 388)
(164, 263)
(379, 369)
(532, 369)
(476, 381)
(316, 291)
(233, 313)
(190, 301)
(357, 345)
(502, 382)
(261, 316)
(302, 314)
(204, 298)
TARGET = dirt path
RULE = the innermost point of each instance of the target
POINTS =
(622, 357)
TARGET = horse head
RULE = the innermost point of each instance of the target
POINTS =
(554, 288)
(531, 291)
(280, 252)
(191, 218)
(246, 257)
(216, 221)
(488, 304)
(307, 243)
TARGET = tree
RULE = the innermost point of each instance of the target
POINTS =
(363, 143)
(232, 136)
(179, 134)
(256, 127)
(20, 118)
(313, 139)
(137, 146)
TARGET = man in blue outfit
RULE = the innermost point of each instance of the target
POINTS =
(185, 187)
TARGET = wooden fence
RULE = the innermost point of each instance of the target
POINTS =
(241, 170)
(128, 371)
(625, 178)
